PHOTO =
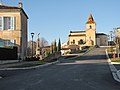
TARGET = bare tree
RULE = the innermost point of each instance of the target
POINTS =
(43, 42)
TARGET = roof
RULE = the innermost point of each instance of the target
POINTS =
(78, 35)
(101, 34)
(76, 31)
(90, 20)
(6, 8)
(118, 27)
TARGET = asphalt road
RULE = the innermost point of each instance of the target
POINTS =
(88, 72)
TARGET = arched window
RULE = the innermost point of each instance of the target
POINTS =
(90, 27)
(73, 41)
(80, 41)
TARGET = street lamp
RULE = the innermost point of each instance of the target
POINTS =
(32, 34)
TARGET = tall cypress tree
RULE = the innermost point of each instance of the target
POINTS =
(55, 47)
(51, 50)
(59, 45)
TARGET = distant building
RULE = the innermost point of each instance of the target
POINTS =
(89, 37)
(13, 28)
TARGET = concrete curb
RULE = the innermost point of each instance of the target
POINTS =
(52, 63)
(114, 71)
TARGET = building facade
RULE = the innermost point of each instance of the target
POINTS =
(13, 28)
(89, 37)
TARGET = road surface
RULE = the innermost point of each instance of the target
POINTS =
(88, 72)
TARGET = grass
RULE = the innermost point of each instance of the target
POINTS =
(115, 60)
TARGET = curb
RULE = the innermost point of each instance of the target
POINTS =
(34, 67)
(115, 72)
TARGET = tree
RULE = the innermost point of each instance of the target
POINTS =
(55, 47)
(59, 45)
(28, 51)
(51, 48)
(29, 48)
(43, 42)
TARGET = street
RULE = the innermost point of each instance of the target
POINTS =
(87, 72)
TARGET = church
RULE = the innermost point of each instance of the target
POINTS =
(88, 37)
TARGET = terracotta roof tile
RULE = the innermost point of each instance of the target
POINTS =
(90, 20)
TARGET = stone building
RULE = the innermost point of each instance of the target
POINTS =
(13, 28)
(88, 37)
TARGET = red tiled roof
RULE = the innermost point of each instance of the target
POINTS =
(90, 20)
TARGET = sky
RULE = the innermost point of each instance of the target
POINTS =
(54, 19)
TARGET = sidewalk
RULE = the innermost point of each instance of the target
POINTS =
(115, 68)
(8, 61)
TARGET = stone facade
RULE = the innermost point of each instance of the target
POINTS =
(14, 28)
(88, 37)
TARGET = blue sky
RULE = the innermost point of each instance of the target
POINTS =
(54, 19)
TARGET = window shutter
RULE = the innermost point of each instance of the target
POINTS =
(1, 23)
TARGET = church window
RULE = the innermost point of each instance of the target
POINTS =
(90, 27)
(73, 41)
(80, 41)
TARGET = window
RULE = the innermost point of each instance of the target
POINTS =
(7, 23)
(73, 41)
(9, 42)
(80, 41)
(90, 27)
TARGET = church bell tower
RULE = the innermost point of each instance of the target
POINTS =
(90, 31)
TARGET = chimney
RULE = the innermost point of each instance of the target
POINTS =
(20, 5)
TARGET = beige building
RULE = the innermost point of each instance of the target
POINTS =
(89, 37)
(13, 28)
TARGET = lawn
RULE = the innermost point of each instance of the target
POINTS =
(115, 60)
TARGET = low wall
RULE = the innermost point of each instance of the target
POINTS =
(8, 53)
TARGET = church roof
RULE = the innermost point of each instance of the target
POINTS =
(78, 35)
(90, 20)
(77, 31)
